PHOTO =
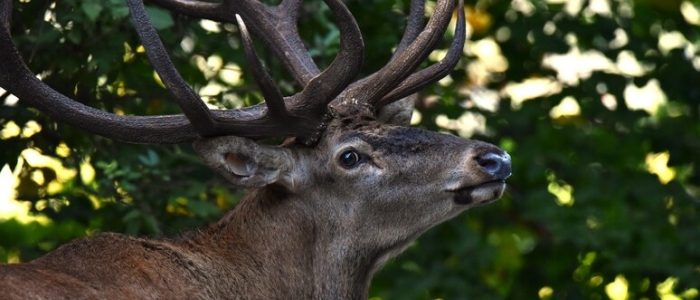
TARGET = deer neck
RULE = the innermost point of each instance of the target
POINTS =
(269, 233)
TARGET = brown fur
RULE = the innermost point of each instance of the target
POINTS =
(313, 229)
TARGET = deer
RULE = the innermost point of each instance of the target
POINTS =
(351, 186)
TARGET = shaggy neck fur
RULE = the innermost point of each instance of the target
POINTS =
(277, 235)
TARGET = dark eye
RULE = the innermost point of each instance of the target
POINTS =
(349, 158)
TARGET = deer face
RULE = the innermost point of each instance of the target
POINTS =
(383, 184)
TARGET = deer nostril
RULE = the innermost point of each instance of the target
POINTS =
(495, 164)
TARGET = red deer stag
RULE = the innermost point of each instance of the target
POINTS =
(349, 188)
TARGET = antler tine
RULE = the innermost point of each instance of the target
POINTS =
(307, 108)
(187, 99)
(323, 88)
(273, 96)
(413, 26)
(386, 79)
(5, 14)
(278, 31)
(293, 53)
(430, 75)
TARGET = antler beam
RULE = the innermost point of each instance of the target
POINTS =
(16, 78)
(305, 109)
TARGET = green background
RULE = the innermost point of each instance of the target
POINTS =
(597, 101)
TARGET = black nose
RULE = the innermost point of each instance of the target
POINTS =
(497, 165)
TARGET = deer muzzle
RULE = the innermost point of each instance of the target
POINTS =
(498, 166)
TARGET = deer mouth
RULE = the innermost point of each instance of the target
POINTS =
(483, 193)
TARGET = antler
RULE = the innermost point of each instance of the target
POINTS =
(395, 81)
(391, 83)
(307, 108)
(300, 115)
(430, 75)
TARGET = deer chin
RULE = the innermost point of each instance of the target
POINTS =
(480, 194)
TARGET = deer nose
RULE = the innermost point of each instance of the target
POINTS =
(498, 165)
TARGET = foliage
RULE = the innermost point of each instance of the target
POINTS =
(597, 101)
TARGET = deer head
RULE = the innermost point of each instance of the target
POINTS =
(350, 187)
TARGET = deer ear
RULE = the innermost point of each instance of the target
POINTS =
(246, 163)
(399, 112)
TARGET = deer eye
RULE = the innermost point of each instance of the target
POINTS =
(349, 158)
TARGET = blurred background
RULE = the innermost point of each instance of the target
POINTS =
(597, 101)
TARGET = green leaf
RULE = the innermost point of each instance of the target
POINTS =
(203, 208)
(151, 159)
(160, 18)
(75, 36)
(92, 10)
(131, 216)
(118, 9)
